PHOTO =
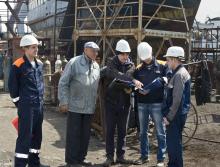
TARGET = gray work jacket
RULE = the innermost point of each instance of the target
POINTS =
(78, 85)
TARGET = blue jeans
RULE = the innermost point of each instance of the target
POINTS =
(154, 110)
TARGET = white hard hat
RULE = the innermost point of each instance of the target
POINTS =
(144, 51)
(123, 46)
(28, 40)
(175, 51)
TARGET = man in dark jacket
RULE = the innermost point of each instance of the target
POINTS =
(177, 105)
(117, 102)
(26, 90)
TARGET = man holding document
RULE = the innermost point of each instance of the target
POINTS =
(150, 98)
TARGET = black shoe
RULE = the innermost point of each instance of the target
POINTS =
(73, 165)
(142, 160)
(86, 163)
(122, 160)
(108, 162)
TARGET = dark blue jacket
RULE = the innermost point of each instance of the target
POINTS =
(177, 101)
(26, 82)
(146, 74)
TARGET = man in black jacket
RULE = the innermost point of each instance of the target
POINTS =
(117, 101)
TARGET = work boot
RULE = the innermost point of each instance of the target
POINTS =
(142, 160)
(160, 163)
(108, 162)
(73, 165)
(122, 160)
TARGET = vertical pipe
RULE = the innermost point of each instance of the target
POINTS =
(139, 31)
(104, 34)
(217, 42)
(8, 23)
(54, 31)
(206, 39)
(211, 47)
(75, 28)
(189, 48)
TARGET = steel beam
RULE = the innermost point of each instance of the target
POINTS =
(166, 34)
(184, 14)
(92, 14)
(75, 28)
(12, 11)
(139, 30)
(14, 1)
(160, 48)
(167, 6)
(116, 13)
(104, 35)
(154, 14)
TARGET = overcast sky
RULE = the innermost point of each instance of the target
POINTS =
(210, 8)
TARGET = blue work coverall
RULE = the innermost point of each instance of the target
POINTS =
(26, 90)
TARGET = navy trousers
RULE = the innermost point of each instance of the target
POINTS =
(77, 137)
(116, 116)
(29, 138)
(174, 141)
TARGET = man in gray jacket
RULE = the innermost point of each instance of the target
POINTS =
(177, 105)
(77, 92)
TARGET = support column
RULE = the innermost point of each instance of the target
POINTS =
(139, 30)
(54, 32)
(104, 34)
(75, 35)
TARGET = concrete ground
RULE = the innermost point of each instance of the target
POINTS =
(197, 154)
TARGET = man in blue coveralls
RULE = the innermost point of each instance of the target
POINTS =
(26, 90)
(177, 105)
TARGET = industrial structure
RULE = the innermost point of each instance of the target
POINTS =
(162, 23)
(206, 40)
(13, 16)
(70, 23)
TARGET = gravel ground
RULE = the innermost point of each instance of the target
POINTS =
(196, 154)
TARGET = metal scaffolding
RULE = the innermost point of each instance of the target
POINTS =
(62, 31)
(206, 42)
(157, 21)
(13, 15)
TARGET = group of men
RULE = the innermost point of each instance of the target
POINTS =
(167, 105)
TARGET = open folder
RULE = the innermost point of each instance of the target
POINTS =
(154, 85)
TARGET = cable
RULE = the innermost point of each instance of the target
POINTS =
(205, 140)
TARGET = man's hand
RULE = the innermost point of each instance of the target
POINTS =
(137, 83)
(63, 108)
(166, 122)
